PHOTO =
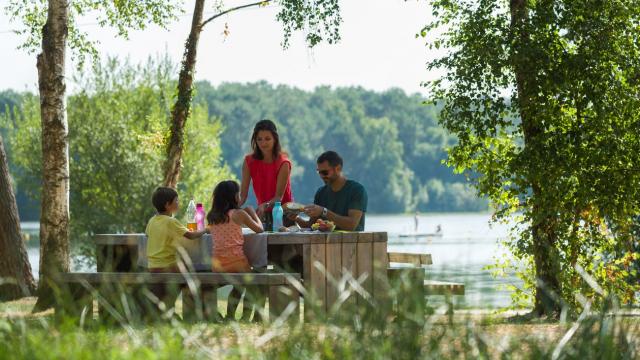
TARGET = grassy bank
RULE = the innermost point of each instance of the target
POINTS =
(466, 335)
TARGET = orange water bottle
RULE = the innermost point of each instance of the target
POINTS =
(191, 216)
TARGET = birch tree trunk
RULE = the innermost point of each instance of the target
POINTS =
(181, 108)
(54, 220)
(16, 278)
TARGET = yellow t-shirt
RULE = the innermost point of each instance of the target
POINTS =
(163, 232)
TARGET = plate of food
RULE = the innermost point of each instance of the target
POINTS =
(293, 207)
(323, 225)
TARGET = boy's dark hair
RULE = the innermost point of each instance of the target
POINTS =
(162, 196)
(224, 199)
(332, 157)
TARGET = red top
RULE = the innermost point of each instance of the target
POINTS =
(265, 178)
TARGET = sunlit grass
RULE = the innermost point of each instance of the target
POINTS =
(361, 334)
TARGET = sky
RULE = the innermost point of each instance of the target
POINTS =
(378, 49)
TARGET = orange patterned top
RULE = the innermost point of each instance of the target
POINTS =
(227, 243)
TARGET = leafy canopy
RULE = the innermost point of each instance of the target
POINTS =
(118, 126)
(121, 15)
(583, 73)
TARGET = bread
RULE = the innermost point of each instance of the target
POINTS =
(293, 206)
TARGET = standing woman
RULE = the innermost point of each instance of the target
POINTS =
(268, 168)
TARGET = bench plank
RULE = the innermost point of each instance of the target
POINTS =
(435, 287)
(179, 278)
(410, 258)
(129, 297)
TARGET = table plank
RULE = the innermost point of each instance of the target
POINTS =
(317, 278)
(380, 237)
(295, 238)
(338, 253)
(350, 266)
(380, 280)
(349, 237)
(272, 238)
(365, 262)
(334, 267)
(117, 239)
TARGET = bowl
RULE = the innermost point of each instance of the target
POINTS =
(323, 226)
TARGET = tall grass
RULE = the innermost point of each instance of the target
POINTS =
(370, 331)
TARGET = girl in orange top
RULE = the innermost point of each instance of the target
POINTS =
(225, 224)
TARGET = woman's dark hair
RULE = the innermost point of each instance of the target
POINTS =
(161, 196)
(265, 125)
(224, 199)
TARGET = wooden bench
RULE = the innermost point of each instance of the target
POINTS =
(431, 287)
(412, 279)
(410, 258)
(130, 297)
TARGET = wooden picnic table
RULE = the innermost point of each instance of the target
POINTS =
(326, 259)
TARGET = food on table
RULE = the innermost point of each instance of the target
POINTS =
(323, 225)
(289, 229)
(293, 206)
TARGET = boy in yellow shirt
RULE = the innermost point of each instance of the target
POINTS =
(163, 232)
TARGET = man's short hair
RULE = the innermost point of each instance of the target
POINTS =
(162, 196)
(332, 157)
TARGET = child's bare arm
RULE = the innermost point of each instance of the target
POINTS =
(250, 210)
(195, 234)
(241, 217)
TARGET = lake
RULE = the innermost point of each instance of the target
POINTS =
(468, 244)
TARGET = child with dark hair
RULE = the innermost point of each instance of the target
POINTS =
(226, 219)
(163, 231)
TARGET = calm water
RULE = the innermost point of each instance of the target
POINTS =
(468, 243)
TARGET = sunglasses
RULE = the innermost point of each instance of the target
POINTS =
(323, 172)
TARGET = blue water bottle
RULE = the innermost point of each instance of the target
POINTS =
(277, 214)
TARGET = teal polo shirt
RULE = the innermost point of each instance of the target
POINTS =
(351, 196)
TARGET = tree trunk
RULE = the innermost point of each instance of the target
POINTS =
(547, 265)
(544, 234)
(16, 279)
(54, 219)
(182, 107)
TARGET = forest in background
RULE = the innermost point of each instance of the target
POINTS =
(390, 141)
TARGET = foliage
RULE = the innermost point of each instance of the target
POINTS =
(350, 333)
(118, 123)
(389, 141)
(10, 101)
(123, 16)
(573, 165)
(320, 20)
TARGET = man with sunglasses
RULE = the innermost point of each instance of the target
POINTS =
(340, 200)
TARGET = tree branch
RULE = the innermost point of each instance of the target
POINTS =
(259, 3)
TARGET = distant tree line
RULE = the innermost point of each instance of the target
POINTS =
(390, 141)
